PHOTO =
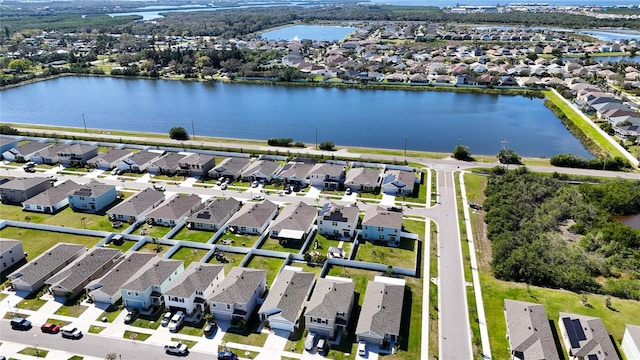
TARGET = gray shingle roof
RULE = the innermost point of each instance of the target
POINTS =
(23, 183)
(53, 258)
(381, 309)
(295, 217)
(197, 276)
(77, 272)
(170, 160)
(6, 244)
(297, 169)
(138, 203)
(287, 294)
(327, 169)
(121, 273)
(111, 155)
(394, 176)
(77, 149)
(51, 151)
(266, 167)
(232, 165)
(529, 330)
(142, 157)
(254, 214)
(53, 195)
(363, 176)
(339, 213)
(215, 212)
(330, 297)
(93, 189)
(176, 207)
(32, 147)
(379, 216)
(154, 273)
(596, 339)
(238, 286)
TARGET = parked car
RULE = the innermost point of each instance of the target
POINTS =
(70, 332)
(227, 355)
(257, 197)
(20, 323)
(362, 348)
(159, 188)
(310, 341)
(29, 169)
(131, 316)
(255, 184)
(223, 186)
(348, 191)
(220, 181)
(210, 329)
(166, 318)
(323, 346)
(114, 171)
(176, 321)
(50, 328)
(176, 348)
(287, 190)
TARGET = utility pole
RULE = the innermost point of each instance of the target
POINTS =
(84, 122)
(405, 145)
(193, 130)
(316, 138)
(459, 140)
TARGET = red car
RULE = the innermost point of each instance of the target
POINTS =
(50, 328)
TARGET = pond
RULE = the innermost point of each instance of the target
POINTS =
(631, 220)
(423, 120)
(309, 32)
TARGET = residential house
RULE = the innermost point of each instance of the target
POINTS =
(20, 189)
(295, 173)
(136, 207)
(11, 253)
(337, 221)
(214, 215)
(196, 165)
(585, 337)
(327, 176)
(7, 143)
(32, 276)
(261, 170)
(398, 182)
(175, 210)
(48, 155)
(106, 289)
(22, 153)
(167, 165)
(381, 225)
(230, 168)
(71, 280)
(294, 223)
(92, 197)
(138, 162)
(77, 154)
(253, 218)
(191, 289)
(50, 200)
(381, 312)
(528, 331)
(329, 309)
(110, 159)
(236, 297)
(631, 342)
(283, 305)
(363, 179)
(145, 289)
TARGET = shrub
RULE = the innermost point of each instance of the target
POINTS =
(178, 133)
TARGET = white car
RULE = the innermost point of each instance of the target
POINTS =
(255, 184)
(257, 197)
(176, 321)
(70, 332)
(310, 341)
(176, 348)
(362, 348)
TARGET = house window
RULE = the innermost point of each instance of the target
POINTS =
(228, 307)
(380, 228)
(381, 237)
(335, 223)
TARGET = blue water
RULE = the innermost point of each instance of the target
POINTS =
(309, 32)
(430, 121)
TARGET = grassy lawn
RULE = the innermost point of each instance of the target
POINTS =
(126, 245)
(148, 321)
(273, 244)
(239, 240)
(135, 335)
(270, 264)
(189, 343)
(75, 357)
(60, 323)
(192, 329)
(193, 235)
(433, 293)
(367, 195)
(152, 231)
(73, 311)
(233, 260)
(32, 351)
(112, 312)
(250, 338)
(295, 342)
(324, 244)
(93, 329)
(189, 255)
(308, 268)
(35, 242)
(152, 248)
(414, 227)
(402, 256)
(31, 304)
(434, 186)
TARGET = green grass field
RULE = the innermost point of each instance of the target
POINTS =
(269, 264)
(189, 255)
(233, 260)
(35, 242)
(193, 235)
(402, 256)
(73, 310)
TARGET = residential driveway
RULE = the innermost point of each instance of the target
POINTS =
(189, 182)
(388, 200)
(144, 178)
(350, 198)
(274, 345)
(312, 192)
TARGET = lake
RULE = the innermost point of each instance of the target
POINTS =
(309, 32)
(630, 220)
(430, 121)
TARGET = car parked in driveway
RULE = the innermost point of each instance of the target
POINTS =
(70, 332)
(176, 348)
(210, 329)
(176, 321)
(131, 316)
(20, 323)
(362, 348)
(50, 328)
(166, 318)
(310, 341)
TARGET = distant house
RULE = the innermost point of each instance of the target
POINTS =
(382, 225)
(631, 342)
(32, 276)
(329, 308)
(11, 253)
(22, 153)
(146, 286)
(191, 289)
(363, 179)
(337, 221)
(77, 154)
(230, 168)
(19, 189)
(327, 176)
(261, 170)
(71, 280)
(214, 215)
(92, 197)
(294, 223)
(167, 165)
(138, 162)
(283, 305)
(106, 289)
(196, 165)
(398, 182)
(381, 313)
(253, 218)
(48, 155)
(110, 159)
(528, 331)
(585, 337)
(175, 210)
(50, 200)
(136, 207)
(237, 296)
(295, 173)
(6, 143)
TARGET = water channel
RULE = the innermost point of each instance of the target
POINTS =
(423, 120)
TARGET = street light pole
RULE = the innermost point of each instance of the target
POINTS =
(84, 122)
(405, 145)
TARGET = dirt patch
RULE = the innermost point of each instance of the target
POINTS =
(566, 234)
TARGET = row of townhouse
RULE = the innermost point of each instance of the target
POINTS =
(624, 119)
(50, 153)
